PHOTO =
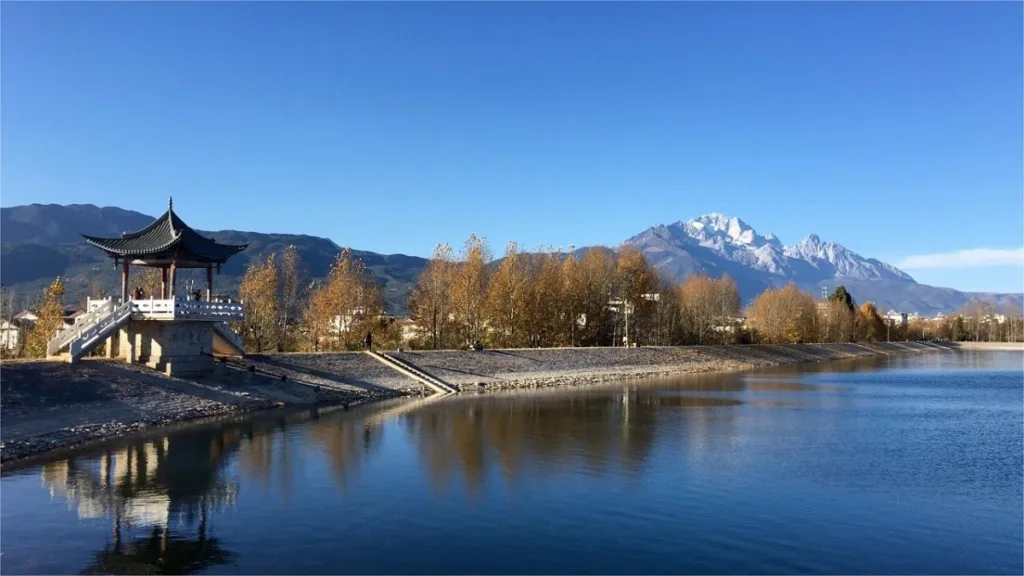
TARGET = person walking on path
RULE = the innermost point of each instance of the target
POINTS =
(368, 341)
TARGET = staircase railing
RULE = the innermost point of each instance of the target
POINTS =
(100, 330)
(230, 335)
(83, 322)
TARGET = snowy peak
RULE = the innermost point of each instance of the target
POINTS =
(732, 230)
(733, 240)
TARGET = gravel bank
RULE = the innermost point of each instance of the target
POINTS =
(47, 405)
(536, 368)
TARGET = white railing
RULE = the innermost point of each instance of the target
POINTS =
(100, 303)
(97, 310)
(102, 314)
(86, 329)
(230, 335)
(184, 309)
(99, 331)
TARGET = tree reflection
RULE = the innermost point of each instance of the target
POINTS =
(602, 431)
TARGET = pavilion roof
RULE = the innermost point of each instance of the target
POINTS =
(167, 237)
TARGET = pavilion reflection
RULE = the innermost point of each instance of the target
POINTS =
(167, 488)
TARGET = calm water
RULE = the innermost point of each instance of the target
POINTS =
(889, 466)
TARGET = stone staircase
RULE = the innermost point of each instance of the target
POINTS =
(89, 330)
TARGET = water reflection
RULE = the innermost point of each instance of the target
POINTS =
(167, 488)
(160, 499)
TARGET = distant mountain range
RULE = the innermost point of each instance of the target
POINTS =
(39, 242)
(717, 244)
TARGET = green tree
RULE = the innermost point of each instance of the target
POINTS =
(841, 295)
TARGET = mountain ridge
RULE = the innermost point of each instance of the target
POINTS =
(718, 244)
(41, 241)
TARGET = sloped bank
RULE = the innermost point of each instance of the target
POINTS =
(546, 367)
(48, 405)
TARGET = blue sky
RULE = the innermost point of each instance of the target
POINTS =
(893, 128)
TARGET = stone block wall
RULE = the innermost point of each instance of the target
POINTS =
(173, 347)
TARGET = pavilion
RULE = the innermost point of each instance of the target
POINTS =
(169, 332)
(168, 244)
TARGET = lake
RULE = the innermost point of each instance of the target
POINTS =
(898, 465)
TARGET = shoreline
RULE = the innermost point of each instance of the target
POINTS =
(49, 406)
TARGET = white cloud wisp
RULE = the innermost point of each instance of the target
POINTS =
(974, 258)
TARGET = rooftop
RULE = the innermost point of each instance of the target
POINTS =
(167, 239)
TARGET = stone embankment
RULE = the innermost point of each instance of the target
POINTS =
(537, 368)
(994, 346)
(47, 405)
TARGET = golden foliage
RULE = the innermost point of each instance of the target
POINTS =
(51, 320)
(343, 308)
(837, 322)
(431, 300)
(784, 316)
(151, 281)
(870, 325)
(708, 305)
(258, 292)
(507, 299)
(596, 284)
(635, 279)
(290, 280)
(469, 290)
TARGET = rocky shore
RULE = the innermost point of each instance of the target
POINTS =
(47, 405)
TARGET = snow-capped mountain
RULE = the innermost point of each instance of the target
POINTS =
(734, 240)
(717, 244)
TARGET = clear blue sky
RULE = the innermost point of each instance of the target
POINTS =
(893, 128)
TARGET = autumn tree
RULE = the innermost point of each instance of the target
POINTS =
(1013, 321)
(667, 319)
(784, 315)
(573, 291)
(597, 285)
(546, 313)
(507, 298)
(150, 280)
(344, 307)
(635, 279)
(870, 326)
(258, 291)
(726, 301)
(51, 320)
(291, 277)
(431, 302)
(469, 290)
(837, 321)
